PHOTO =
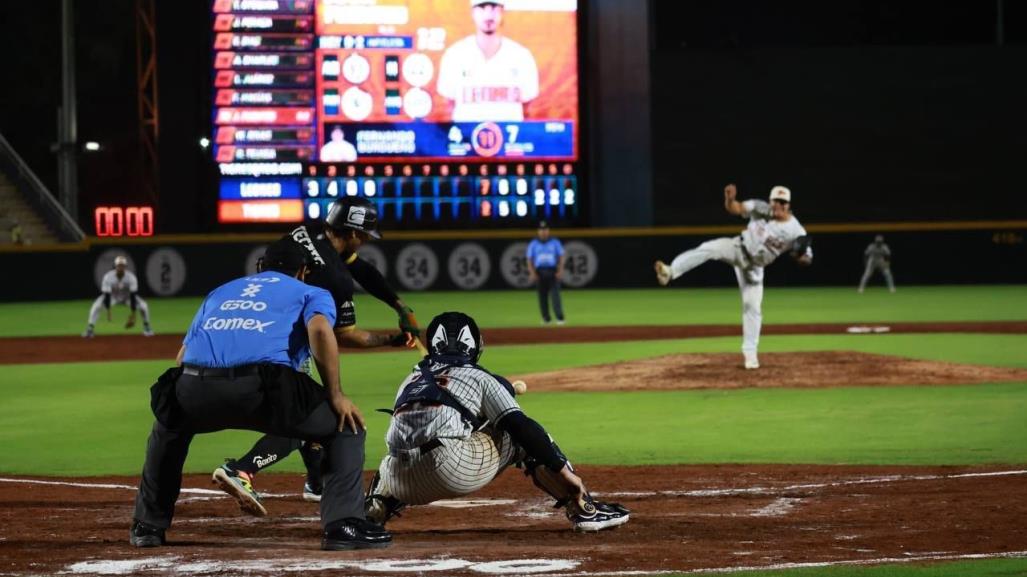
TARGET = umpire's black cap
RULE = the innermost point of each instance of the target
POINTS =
(285, 256)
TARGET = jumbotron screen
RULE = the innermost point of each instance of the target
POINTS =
(446, 113)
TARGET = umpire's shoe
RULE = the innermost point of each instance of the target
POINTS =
(597, 516)
(144, 535)
(238, 485)
(353, 533)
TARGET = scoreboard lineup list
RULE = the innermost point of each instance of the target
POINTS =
(283, 93)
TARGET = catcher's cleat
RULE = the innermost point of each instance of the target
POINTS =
(663, 273)
(600, 516)
(380, 508)
(353, 533)
(312, 494)
(239, 485)
(145, 535)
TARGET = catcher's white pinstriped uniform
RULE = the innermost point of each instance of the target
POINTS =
(467, 460)
(763, 240)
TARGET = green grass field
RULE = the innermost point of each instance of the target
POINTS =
(83, 419)
(669, 306)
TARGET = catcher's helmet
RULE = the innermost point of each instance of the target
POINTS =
(455, 335)
(354, 213)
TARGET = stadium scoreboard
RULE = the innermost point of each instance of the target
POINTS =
(445, 113)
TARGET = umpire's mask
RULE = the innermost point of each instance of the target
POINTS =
(454, 336)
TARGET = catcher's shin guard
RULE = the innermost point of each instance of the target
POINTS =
(585, 513)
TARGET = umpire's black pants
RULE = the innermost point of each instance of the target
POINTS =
(549, 284)
(209, 404)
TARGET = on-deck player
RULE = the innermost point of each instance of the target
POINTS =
(487, 76)
(456, 426)
(121, 287)
(772, 230)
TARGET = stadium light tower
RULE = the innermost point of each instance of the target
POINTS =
(67, 117)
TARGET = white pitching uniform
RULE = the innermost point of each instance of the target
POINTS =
(758, 246)
(488, 89)
(465, 461)
(119, 291)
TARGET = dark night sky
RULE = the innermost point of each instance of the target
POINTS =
(106, 41)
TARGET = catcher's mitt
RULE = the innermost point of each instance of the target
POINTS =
(800, 246)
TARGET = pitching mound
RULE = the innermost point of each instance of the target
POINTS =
(805, 370)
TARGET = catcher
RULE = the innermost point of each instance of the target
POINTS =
(772, 230)
(455, 426)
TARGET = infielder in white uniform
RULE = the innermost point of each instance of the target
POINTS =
(456, 426)
(772, 230)
(487, 76)
(120, 287)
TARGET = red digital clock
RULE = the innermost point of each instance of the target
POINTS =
(123, 220)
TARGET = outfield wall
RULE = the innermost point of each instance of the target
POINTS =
(600, 258)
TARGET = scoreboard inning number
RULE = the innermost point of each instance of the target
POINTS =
(123, 221)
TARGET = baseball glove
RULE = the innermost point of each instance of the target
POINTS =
(800, 246)
(131, 322)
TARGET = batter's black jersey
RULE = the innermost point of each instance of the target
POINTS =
(328, 272)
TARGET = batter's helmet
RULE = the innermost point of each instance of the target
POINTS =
(455, 335)
(354, 213)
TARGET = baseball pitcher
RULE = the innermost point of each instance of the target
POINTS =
(772, 230)
(455, 426)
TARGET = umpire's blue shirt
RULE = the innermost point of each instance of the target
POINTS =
(545, 254)
(256, 319)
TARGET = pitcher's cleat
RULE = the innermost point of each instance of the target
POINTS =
(663, 273)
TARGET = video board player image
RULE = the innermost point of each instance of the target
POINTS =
(446, 112)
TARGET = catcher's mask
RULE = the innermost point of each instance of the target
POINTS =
(354, 213)
(454, 336)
